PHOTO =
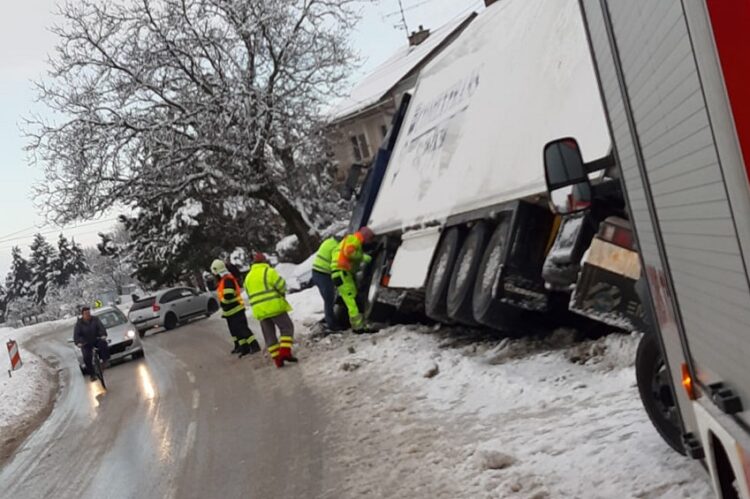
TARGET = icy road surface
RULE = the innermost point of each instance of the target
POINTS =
(409, 413)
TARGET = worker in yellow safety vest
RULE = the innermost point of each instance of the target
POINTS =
(345, 262)
(266, 290)
(233, 310)
(321, 277)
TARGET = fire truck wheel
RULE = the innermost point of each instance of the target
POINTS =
(656, 391)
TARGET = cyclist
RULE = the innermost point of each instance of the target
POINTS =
(89, 332)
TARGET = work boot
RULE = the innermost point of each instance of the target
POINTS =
(244, 350)
(236, 348)
(285, 350)
(254, 346)
(278, 361)
(365, 329)
(286, 355)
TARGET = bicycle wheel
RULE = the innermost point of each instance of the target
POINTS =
(98, 371)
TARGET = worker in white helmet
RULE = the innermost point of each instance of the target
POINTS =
(233, 310)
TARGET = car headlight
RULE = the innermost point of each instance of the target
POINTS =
(130, 334)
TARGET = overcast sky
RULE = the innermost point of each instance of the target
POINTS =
(25, 43)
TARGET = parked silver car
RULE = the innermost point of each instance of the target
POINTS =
(121, 336)
(170, 307)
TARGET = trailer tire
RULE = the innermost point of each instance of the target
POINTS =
(656, 391)
(440, 275)
(463, 277)
(487, 309)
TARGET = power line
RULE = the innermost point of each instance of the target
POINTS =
(59, 229)
(30, 227)
(403, 10)
(72, 237)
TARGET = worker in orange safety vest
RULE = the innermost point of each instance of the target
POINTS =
(233, 310)
(345, 262)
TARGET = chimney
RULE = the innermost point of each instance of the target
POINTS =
(418, 37)
(487, 3)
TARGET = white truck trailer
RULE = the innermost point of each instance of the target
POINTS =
(461, 208)
(674, 80)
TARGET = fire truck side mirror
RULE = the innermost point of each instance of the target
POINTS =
(568, 183)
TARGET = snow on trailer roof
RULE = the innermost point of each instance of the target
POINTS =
(387, 75)
(519, 76)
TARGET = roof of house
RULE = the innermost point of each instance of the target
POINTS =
(377, 84)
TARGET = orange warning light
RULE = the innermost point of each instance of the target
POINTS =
(687, 382)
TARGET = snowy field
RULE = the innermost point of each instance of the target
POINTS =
(449, 413)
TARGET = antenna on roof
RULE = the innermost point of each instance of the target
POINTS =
(403, 17)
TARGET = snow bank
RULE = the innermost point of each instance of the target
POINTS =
(307, 306)
(27, 393)
(298, 277)
(287, 271)
(452, 413)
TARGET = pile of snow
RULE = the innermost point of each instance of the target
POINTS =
(27, 392)
(297, 276)
(459, 413)
(287, 272)
(307, 306)
(455, 413)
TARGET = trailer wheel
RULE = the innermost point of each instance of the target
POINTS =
(464, 275)
(440, 275)
(374, 311)
(655, 389)
(486, 309)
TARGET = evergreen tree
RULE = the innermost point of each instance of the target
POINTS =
(42, 266)
(3, 303)
(77, 264)
(18, 282)
(171, 243)
(69, 262)
(62, 262)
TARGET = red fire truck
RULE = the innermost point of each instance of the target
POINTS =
(674, 77)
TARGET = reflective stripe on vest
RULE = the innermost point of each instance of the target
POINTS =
(266, 290)
(230, 297)
(269, 293)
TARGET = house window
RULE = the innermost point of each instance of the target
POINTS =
(359, 147)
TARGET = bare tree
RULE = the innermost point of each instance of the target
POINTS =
(163, 97)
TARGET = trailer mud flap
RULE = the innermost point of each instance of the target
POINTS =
(608, 297)
(411, 265)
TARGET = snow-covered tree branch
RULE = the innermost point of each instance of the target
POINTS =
(158, 98)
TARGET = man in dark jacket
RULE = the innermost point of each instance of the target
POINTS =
(89, 332)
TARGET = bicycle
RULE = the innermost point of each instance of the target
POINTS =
(96, 364)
